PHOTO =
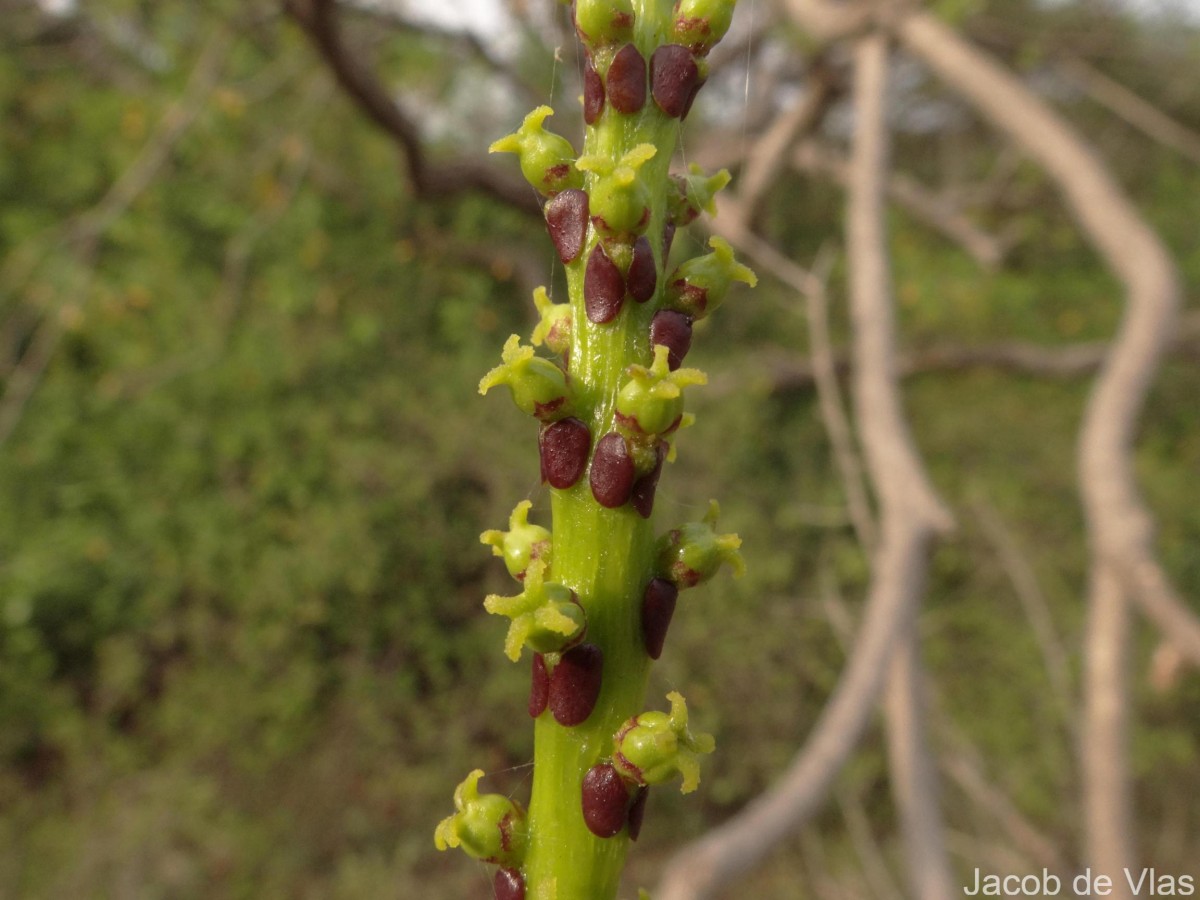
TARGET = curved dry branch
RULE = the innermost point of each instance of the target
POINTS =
(1123, 564)
(319, 21)
(912, 515)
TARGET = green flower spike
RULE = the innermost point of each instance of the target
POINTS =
(699, 24)
(604, 21)
(652, 747)
(547, 159)
(554, 326)
(489, 827)
(699, 285)
(694, 193)
(521, 544)
(651, 402)
(546, 617)
(619, 200)
(539, 387)
(694, 552)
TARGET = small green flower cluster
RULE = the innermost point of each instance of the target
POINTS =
(598, 591)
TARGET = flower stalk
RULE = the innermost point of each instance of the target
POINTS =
(598, 588)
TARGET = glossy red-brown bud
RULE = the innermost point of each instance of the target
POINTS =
(593, 94)
(508, 884)
(626, 86)
(642, 278)
(575, 684)
(605, 798)
(674, 331)
(646, 486)
(567, 221)
(658, 606)
(612, 471)
(674, 79)
(563, 447)
(539, 686)
(603, 287)
(637, 812)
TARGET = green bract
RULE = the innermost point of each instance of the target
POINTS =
(699, 24)
(651, 402)
(521, 544)
(620, 200)
(554, 323)
(695, 192)
(539, 387)
(699, 285)
(546, 158)
(490, 827)
(546, 617)
(693, 553)
(604, 21)
(653, 747)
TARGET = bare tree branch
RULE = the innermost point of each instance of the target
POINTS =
(1037, 611)
(907, 501)
(1140, 113)
(911, 516)
(319, 20)
(1120, 528)
(787, 373)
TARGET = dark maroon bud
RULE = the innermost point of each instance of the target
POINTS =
(627, 80)
(612, 471)
(673, 79)
(603, 287)
(575, 684)
(593, 94)
(539, 687)
(674, 329)
(642, 277)
(567, 221)
(668, 239)
(563, 447)
(687, 107)
(605, 800)
(645, 487)
(508, 885)
(637, 812)
(658, 606)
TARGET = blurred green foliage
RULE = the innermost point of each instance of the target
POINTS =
(242, 651)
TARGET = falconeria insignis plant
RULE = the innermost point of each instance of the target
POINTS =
(598, 589)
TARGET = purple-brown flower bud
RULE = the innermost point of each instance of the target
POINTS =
(567, 221)
(626, 81)
(642, 278)
(612, 471)
(575, 684)
(603, 287)
(672, 330)
(605, 799)
(563, 447)
(675, 79)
